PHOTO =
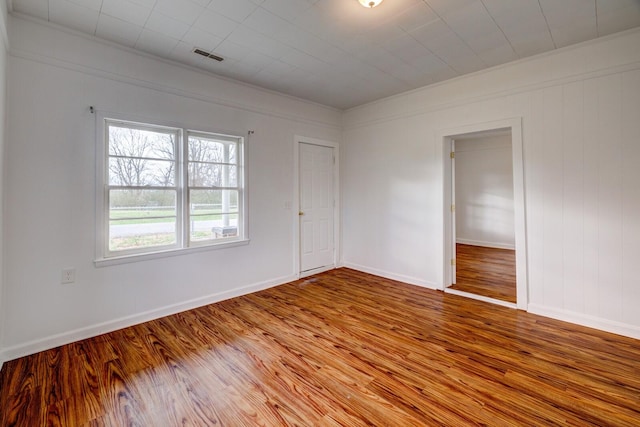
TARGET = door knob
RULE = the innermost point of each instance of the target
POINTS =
(300, 213)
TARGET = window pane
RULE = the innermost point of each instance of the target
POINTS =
(212, 175)
(128, 171)
(125, 141)
(233, 154)
(202, 149)
(213, 202)
(208, 227)
(141, 203)
(141, 219)
(213, 214)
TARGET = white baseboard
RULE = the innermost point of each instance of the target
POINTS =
(393, 276)
(35, 346)
(586, 320)
(486, 244)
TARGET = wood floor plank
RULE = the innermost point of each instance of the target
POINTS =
(342, 348)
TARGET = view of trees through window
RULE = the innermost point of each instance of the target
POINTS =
(213, 163)
(152, 204)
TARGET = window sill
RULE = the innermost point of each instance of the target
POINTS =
(105, 262)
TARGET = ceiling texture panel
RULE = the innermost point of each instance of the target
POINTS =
(336, 52)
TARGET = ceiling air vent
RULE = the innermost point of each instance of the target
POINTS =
(207, 54)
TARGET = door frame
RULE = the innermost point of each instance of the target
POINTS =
(452, 214)
(296, 203)
(444, 140)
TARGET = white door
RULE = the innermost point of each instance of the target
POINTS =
(316, 207)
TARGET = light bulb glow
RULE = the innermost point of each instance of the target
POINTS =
(370, 3)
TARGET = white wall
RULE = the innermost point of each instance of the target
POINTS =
(579, 108)
(54, 76)
(484, 191)
(4, 44)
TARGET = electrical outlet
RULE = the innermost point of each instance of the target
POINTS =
(68, 275)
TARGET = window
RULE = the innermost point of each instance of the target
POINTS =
(169, 188)
(213, 186)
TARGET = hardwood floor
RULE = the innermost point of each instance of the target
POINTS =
(486, 271)
(341, 348)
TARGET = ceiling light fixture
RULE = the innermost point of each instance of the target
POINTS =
(370, 3)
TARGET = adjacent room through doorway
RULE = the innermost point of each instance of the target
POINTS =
(486, 271)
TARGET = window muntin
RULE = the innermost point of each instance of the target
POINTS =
(169, 188)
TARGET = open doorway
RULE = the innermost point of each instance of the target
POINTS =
(484, 232)
(484, 213)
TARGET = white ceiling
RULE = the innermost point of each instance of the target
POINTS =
(337, 52)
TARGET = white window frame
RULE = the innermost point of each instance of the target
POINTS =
(104, 256)
(238, 187)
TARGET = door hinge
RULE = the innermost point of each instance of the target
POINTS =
(453, 261)
(452, 154)
(453, 208)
